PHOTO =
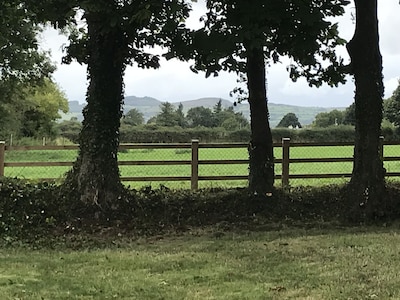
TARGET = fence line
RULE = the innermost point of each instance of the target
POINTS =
(194, 162)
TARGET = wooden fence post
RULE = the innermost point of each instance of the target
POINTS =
(285, 161)
(2, 157)
(381, 140)
(195, 165)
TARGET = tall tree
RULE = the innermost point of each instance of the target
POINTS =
(116, 34)
(40, 109)
(290, 119)
(133, 117)
(181, 116)
(367, 185)
(22, 63)
(20, 57)
(200, 116)
(168, 115)
(242, 36)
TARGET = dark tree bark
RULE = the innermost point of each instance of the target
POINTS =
(261, 173)
(95, 175)
(367, 185)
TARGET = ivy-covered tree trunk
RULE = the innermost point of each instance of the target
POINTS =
(261, 170)
(95, 175)
(367, 185)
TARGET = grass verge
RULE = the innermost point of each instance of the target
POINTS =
(283, 263)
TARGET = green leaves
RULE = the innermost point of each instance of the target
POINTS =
(297, 29)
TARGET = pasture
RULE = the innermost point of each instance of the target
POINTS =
(30, 172)
(283, 263)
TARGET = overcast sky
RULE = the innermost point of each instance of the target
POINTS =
(174, 81)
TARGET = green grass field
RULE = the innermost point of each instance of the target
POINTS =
(184, 170)
(352, 263)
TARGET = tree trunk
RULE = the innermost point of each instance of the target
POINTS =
(261, 169)
(367, 185)
(95, 175)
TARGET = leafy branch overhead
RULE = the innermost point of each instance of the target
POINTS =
(143, 24)
(297, 29)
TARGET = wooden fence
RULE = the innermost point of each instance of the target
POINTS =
(194, 162)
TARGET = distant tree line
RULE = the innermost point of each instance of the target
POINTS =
(200, 116)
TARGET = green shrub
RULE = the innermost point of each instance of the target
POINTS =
(29, 209)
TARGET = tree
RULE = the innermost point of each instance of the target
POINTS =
(116, 34)
(133, 117)
(235, 122)
(200, 116)
(180, 115)
(241, 36)
(367, 184)
(350, 115)
(168, 115)
(289, 120)
(69, 129)
(41, 108)
(217, 113)
(392, 107)
(21, 62)
(20, 57)
(327, 119)
(33, 110)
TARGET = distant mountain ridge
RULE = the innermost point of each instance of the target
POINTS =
(149, 107)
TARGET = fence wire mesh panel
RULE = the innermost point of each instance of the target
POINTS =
(318, 161)
(222, 162)
(38, 164)
(146, 165)
(196, 165)
(391, 154)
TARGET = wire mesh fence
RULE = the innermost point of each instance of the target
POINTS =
(218, 165)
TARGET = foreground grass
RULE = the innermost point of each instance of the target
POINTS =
(285, 263)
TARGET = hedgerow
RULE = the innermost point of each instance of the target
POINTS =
(30, 209)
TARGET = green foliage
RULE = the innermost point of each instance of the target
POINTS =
(20, 58)
(28, 207)
(22, 64)
(32, 111)
(168, 115)
(69, 129)
(327, 119)
(180, 116)
(350, 115)
(200, 116)
(146, 134)
(392, 107)
(289, 120)
(133, 118)
(159, 134)
(232, 28)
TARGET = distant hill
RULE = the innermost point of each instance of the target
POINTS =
(151, 106)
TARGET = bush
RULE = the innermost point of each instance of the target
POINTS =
(30, 210)
(27, 206)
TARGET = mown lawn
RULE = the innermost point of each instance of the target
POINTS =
(276, 263)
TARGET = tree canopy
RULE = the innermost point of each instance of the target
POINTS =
(242, 36)
(392, 107)
(289, 120)
(115, 34)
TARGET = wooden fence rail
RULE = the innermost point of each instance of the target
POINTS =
(194, 162)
